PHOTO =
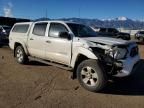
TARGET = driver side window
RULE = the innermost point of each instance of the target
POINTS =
(55, 29)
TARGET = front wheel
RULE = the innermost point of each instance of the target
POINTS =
(91, 76)
(20, 55)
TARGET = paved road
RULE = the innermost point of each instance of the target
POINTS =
(37, 85)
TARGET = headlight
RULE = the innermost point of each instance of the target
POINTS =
(117, 53)
(120, 53)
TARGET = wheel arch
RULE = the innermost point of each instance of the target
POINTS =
(20, 44)
(84, 53)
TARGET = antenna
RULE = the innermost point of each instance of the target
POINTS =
(46, 16)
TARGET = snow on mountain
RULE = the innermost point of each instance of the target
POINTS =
(122, 18)
(116, 19)
(120, 22)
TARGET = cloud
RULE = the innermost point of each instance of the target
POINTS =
(8, 10)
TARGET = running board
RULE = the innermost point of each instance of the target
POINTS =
(50, 63)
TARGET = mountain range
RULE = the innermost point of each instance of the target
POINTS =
(120, 22)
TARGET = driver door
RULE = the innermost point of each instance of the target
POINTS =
(58, 49)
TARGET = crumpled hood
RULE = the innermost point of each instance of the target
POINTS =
(108, 41)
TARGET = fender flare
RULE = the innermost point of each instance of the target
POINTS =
(22, 44)
(82, 51)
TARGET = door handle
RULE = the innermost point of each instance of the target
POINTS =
(31, 39)
(48, 41)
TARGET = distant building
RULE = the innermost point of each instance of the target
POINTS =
(11, 21)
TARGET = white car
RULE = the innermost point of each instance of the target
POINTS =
(74, 46)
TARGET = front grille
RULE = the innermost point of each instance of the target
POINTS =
(134, 51)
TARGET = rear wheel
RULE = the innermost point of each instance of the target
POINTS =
(90, 76)
(20, 55)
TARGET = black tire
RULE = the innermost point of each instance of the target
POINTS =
(91, 76)
(20, 55)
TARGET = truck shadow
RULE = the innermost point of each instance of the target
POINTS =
(132, 85)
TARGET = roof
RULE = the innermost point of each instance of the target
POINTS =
(49, 21)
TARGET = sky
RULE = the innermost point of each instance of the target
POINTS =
(93, 9)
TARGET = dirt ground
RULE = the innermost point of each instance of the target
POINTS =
(37, 85)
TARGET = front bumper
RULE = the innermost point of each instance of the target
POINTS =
(128, 65)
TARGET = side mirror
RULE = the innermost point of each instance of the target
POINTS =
(65, 35)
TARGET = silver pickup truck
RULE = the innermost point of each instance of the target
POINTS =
(74, 46)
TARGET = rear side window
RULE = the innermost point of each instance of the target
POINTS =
(142, 32)
(40, 29)
(102, 30)
(111, 30)
(21, 28)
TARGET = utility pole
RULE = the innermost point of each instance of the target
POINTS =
(79, 13)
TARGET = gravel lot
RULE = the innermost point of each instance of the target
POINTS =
(37, 85)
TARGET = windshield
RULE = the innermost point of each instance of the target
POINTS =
(80, 30)
(6, 27)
